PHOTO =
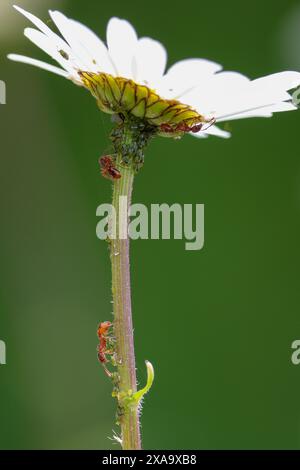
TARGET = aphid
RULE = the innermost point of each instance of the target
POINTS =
(64, 54)
(108, 170)
(104, 340)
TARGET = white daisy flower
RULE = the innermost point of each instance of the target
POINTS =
(128, 76)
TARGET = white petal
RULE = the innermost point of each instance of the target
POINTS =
(122, 43)
(261, 96)
(263, 112)
(281, 107)
(150, 62)
(55, 42)
(38, 63)
(282, 81)
(44, 29)
(248, 114)
(215, 90)
(68, 31)
(200, 135)
(36, 21)
(50, 47)
(213, 130)
(186, 75)
(229, 81)
(93, 43)
(230, 93)
(253, 102)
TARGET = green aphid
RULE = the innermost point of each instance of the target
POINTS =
(64, 54)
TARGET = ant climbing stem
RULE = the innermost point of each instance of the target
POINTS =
(104, 347)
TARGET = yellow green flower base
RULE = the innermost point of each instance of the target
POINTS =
(117, 95)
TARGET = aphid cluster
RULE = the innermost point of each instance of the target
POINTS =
(105, 346)
(130, 138)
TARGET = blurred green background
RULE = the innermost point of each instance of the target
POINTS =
(218, 323)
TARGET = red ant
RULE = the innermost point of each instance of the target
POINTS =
(102, 332)
(108, 170)
(184, 127)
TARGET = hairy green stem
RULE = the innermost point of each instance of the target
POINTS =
(128, 415)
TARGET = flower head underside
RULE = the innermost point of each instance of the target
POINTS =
(128, 76)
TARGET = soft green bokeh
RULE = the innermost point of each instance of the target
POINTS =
(216, 324)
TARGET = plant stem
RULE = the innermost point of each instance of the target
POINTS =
(123, 329)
